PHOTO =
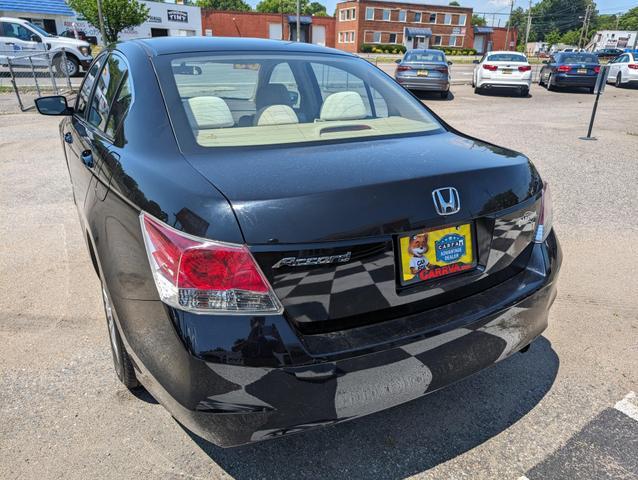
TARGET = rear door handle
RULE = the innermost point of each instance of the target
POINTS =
(87, 158)
(68, 138)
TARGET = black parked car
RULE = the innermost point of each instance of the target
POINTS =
(608, 53)
(80, 35)
(570, 69)
(286, 238)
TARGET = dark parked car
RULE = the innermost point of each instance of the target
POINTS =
(608, 53)
(80, 35)
(570, 69)
(424, 70)
(286, 238)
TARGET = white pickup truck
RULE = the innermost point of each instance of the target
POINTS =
(19, 38)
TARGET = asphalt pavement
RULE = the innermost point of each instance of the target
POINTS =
(563, 410)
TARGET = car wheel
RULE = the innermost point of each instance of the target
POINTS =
(540, 81)
(445, 94)
(592, 89)
(550, 84)
(524, 92)
(618, 83)
(70, 67)
(477, 90)
(121, 360)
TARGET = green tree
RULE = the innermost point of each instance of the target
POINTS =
(290, 6)
(478, 20)
(553, 37)
(234, 5)
(118, 15)
(571, 37)
(629, 20)
(454, 3)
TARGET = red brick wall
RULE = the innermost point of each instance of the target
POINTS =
(255, 24)
(498, 38)
(364, 28)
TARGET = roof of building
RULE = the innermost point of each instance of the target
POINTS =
(51, 7)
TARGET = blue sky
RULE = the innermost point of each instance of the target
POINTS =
(501, 6)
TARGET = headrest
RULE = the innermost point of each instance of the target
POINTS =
(277, 115)
(343, 106)
(272, 94)
(208, 112)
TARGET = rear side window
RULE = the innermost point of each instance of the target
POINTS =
(89, 80)
(119, 107)
(108, 85)
(506, 57)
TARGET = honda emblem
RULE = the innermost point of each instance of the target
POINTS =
(446, 200)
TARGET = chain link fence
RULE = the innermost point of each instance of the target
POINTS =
(35, 74)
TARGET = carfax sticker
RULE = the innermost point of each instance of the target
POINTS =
(432, 254)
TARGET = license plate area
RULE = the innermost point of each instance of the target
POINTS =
(582, 70)
(506, 71)
(432, 254)
(422, 73)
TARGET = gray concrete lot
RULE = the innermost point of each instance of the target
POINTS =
(545, 414)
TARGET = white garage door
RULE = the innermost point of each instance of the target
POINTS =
(319, 35)
(274, 31)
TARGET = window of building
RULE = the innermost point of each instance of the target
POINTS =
(452, 41)
(369, 13)
(393, 38)
(342, 15)
(437, 40)
(448, 19)
(462, 19)
(376, 37)
(402, 15)
(432, 17)
(417, 17)
(340, 37)
(386, 15)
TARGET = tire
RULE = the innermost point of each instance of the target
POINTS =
(72, 66)
(524, 92)
(445, 94)
(121, 360)
(618, 83)
(550, 85)
(592, 89)
(477, 90)
(540, 81)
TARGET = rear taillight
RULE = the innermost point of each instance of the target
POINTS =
(524, 68)
(633, 66)
(545, 219)
(403, 68)
(204, 276)
(597, 69)
(441, 69)
(491, 68)
(564, 68)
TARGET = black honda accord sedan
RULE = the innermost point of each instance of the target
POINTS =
(286, 238)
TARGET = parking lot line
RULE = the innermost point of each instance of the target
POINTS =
(628, 405)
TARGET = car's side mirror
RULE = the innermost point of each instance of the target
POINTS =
(475, 62)
(398, 60)
(36, 38)
(54, 105)
(449, 62)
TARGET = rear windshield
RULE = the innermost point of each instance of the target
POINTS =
(577, 58)
(507, 57)
(424, 57)
(248, 100)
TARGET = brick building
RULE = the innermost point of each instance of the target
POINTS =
(485, 39)
(317, 30)
(413, 25)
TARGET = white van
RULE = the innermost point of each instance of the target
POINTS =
(20, 37)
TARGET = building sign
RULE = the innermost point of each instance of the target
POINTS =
(622, 42)
(154, 19)
(177, 16)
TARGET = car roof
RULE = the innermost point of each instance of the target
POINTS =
(505, 51)
(171, 45)
(13, 19)
(425, 50)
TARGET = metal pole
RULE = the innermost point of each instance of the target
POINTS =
(529, 24)
(66, 70)
(101, 20)
(593, 115)
(298, 20)
(15, 87)
(55, 85)
(509, 21)
(35, 77)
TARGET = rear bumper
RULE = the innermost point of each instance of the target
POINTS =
(562, 80)
(505, 83)
(425, 84)
(268, 385)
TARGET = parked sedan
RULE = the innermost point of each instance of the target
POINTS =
(608, 53)
(502, 70)
(424, 70)
(570, 70)
(624, 70)
(285, 238)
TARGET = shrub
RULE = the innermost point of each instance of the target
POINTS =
(382, 48)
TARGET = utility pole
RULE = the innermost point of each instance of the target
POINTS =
(298, 20)
(529, 24)
(585, 25)
(101, 20)
(509, 21)
(618, 19)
